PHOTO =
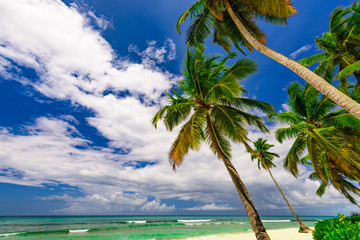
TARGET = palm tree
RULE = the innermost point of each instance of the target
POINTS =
(340, 46)
(331, 138)
(234, 21)
(209, 99)
(265, 160)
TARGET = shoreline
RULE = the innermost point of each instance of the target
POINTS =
(274, 234)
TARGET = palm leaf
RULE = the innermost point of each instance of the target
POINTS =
(189, 137)
(215, 7)
(320, 57)
(200, 29)
(282, 134)
(248, 104)
(286, 118)
(278, 8)
(240, 70)
(220, 36)
(349, 70)
(229, 121)
(195, 9)
(321, 190)
(293, 157)
(221, 141)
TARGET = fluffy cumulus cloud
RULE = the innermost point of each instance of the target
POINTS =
(73, 62)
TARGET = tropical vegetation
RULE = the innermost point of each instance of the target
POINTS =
(328, 134)
(340, 56)
(341, 228)
(265, 160)
(234, 21)
(209, 101)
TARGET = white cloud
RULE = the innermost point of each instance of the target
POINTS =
(156, 206)
(75, 63)
(53, 152)
(211, 206)
(152, 53)
(101, 22)
(109, 203)
(300, 50)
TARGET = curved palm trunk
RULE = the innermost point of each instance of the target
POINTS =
(320, 84)
(303, 227)
(255, 220)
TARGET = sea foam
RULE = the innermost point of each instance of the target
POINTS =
(79, 231)
(10, 234)
(195, 221)
(136, 221)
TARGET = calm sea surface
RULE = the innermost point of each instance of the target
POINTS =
(133, 227)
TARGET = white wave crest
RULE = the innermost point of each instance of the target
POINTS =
(9, 234)
(79, 231)
(142, 221)
(195, 221)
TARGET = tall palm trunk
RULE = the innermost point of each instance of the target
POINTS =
(320, 84)
(303, 227)
(255, 220)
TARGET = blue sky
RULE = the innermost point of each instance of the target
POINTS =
(79, 82)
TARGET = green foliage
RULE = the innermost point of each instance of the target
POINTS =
(210, 17)
(341, 228)
(263, 155)
(331, 138)
(209, 97)
(341, 53)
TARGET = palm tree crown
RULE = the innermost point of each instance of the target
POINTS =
(210, 88)
(330, 136)
(264, 157)
(341, 52)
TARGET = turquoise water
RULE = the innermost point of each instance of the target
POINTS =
(133, 227)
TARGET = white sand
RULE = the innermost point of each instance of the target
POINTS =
(277, 234)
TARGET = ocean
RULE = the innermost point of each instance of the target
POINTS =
(134, 227)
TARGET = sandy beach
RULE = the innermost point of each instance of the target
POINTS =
(276, 234)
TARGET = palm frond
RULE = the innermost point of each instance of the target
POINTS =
(282, 134)
(252, 120)
(215, 7)
(292, 159)
(221, 140)
(240, 70)
(248, 104)
(349, 70)
(321, 190)
(200, 29)
(342, 120)
(323, 108)
(189, 137)
(221, 37)
(278, 8)
(286, 118)
(230, 122)
(194, 10)
(317, 58)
